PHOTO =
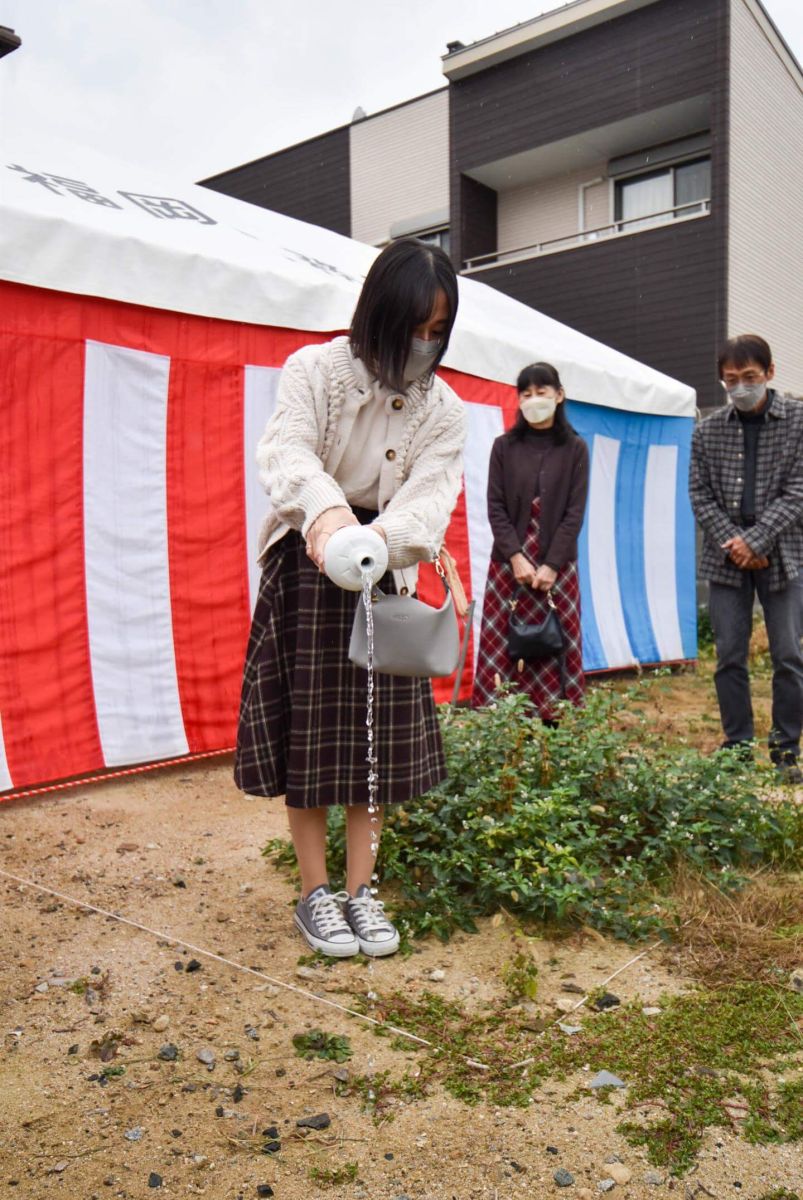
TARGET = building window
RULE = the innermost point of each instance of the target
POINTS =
(434, 237)
(658, 196)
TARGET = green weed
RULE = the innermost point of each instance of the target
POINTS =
(318, 1044)
(520, 974)
(378, 1093)
(582, 824)
(334, 1176)
(681, 1068)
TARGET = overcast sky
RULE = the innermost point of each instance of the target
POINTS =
(201, 85)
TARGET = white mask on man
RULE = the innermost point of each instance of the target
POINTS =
(745, 396)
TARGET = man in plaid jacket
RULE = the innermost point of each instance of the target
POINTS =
(746, 490)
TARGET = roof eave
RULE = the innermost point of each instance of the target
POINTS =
(532, 35)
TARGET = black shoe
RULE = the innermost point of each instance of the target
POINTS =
(743, 748)
(787, 766)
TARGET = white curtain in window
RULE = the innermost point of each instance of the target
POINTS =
(644, 198)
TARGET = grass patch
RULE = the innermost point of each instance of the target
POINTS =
(704, 1061)
(730, 937)
(378, 1093)
(334, 1176)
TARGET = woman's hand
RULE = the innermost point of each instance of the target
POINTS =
(322, 529)
(523, 570)
(544, 578)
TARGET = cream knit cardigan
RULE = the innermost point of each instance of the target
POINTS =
(320, 394)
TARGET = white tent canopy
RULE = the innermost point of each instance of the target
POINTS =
(130, 498)
(73, 222)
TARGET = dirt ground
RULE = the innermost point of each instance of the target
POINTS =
(178, 850)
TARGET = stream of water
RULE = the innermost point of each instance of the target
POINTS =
(371, 759)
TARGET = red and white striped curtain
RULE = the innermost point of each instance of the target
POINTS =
(129, 507)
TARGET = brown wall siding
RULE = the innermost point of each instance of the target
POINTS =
(647, 58)
(310, 181)
(478, 232)
(670, 310)
(652, 295)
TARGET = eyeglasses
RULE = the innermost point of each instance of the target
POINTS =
(732, 378)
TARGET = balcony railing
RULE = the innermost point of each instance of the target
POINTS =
(698, 208)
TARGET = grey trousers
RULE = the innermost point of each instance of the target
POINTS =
(731, 610)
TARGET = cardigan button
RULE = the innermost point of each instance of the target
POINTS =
(405, 591)
(397, 403)
(390, 455)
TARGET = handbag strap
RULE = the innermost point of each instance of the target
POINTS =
(455, 582)
(377, 592)
(520, 587)
(442, 574)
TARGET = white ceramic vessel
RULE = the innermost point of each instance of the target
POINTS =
(351, 550)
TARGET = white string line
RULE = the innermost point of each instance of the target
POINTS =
(290, 987)
(229, 962)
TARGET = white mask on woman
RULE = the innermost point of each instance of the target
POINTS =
(536, 409)
(420, 358)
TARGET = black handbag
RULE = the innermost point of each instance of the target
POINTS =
(529, 642)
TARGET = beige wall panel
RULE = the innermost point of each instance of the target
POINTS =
(540, 212)
(399, 166)
(598, 204)
(765, 289)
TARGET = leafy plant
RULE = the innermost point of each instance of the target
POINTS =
(318, 1044)
(582, 824)
(705, 630)
(520, 974)
(333, 1176)
(378, 1093)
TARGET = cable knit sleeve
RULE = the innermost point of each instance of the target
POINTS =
(416, 517)
(289, 451)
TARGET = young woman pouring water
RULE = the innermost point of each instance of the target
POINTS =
(364, 433)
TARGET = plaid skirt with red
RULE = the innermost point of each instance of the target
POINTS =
(542, 680)
(302, 731)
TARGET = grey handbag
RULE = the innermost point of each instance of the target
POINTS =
(410, 638)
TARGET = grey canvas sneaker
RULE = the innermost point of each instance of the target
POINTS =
(376, 935)
(321, 921)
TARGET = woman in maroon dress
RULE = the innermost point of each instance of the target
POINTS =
(537, 487)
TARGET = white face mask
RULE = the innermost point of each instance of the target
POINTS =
(745, 396)
(536, 409)
(420, 358)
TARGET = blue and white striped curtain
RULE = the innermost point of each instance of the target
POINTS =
(637, 572)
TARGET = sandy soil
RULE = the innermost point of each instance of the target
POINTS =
(126, 846)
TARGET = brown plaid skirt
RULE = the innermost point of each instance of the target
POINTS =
(302, 731)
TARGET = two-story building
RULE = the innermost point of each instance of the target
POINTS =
(629, 167)
(8, 41)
